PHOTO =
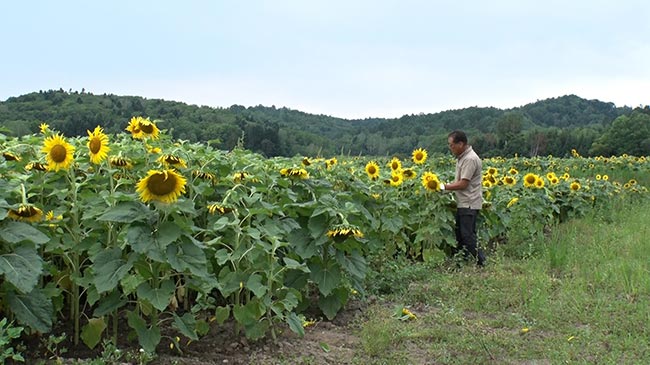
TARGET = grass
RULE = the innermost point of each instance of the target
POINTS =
(582, 298)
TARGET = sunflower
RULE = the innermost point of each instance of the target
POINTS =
(10, 156)
(342, 231)
(539, 183)
(372, 169)
(218, 208)
(120, 162)
(530, 179)
(513, 171)
(305, 161)
(204, 175)
(509, 181)
(35, 166)
(59, 153)
(419, 156)
(492, 171)
(44, 127)
(26, 213)
(395, 164)
(294, 172)
(605, 177)
(409, 174)
(331, 162)
(575, 186)
(165, 186)
(430, 181)
(512, 202)
(171, 160)
(486, 184)
(239, 177)
(598, 177)
(97, 145)
(396, 179)
(141, 128)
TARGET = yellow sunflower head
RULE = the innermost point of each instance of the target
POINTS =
(142, 128)
(164, 186)
(10, 156)
(97, 145)
(409, 174)
(395, 164)
(575, 186)
(59, 153)
(171, 160)
(35, 166)
(530, 179)
(419, 156)
(513, 171)
(396, 179)
(539, 183)
(44, 127)
(509, 180)
(120, 162)
(512, 202)
(372, 169)
(26, 213)
(492, 171)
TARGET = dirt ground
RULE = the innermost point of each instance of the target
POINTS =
(326, 342)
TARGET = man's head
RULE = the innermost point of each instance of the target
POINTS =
(457, 141)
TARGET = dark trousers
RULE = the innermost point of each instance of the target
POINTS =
(466, 235)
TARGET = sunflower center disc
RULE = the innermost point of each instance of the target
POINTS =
(95, 145)
(58, 153)
(159, 185)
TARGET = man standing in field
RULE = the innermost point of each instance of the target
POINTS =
(469, 198)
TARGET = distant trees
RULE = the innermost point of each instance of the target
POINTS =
(552, 126)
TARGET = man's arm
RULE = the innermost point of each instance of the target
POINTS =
(456, 185)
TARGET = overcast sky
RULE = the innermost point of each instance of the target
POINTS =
(344, 58)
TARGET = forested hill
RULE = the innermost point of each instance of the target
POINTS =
(551, 126)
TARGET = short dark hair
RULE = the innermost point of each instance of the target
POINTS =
(458, 136)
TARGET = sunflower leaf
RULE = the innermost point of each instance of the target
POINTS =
(158, 297)
(126, 212)
(33, 309)
(14, 232)
(110, 268)
(22, 267)
(326, 276)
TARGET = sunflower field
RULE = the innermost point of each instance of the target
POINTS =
(138, 231)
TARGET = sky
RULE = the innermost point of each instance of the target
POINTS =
(342, 58)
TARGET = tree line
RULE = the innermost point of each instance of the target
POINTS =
(552, 126)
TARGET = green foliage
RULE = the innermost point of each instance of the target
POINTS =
(8, 335)
(529, 130)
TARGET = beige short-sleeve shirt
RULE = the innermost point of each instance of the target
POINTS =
(469, 167)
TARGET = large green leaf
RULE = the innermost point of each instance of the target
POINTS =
(158, 297)
(126, 212)
(141, 239)
(317, 225)
(110, 268)
(33, 309)
(110, 303)
(331, 304)
(302, 243)
(22, 267)
(186, 325)
(254, 284)
(185, 255)
(326, 275)
(295, 324)
(167, 233)
(249, 313)
(92, 332)
(294, 265)
(149, 338)
(14, 232)
(354, 263)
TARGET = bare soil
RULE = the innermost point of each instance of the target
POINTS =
(325, 342)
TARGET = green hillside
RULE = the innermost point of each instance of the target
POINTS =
(552, 126)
